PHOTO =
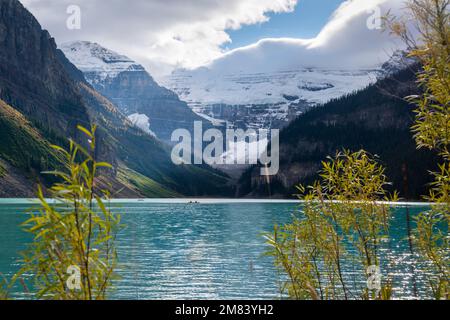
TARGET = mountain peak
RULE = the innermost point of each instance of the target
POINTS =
(398, 62)
(92, 58)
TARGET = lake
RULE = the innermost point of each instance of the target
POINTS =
(172, 249)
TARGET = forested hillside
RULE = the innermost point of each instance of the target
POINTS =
(376, 119)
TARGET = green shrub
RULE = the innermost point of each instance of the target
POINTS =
(431, 129)
(3, 288)
(341, 215)
(73, 256)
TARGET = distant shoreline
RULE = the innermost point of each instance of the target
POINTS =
(200, 201)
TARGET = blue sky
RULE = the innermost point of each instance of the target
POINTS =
(305, 22)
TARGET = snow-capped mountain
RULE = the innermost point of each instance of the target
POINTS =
(98, 64)
(151, 107)
(269, 82)
(264, 99)
(398, 62)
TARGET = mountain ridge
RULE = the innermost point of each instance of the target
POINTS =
(128, 85)
(271, 99)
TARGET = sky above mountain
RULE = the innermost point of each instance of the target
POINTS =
(163, 34)
(305, 21)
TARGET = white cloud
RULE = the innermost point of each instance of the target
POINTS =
(345, 42)
(343, 58)
(159, 32)
(163, 34)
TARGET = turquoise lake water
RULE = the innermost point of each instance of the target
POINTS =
(212, 250)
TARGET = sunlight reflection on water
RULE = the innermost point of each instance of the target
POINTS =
(205, 251)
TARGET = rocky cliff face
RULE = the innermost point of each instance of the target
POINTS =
(137, 93)
(31, 77)
(129, 86)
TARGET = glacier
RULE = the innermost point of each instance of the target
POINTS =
(264, 99)
(142, 122)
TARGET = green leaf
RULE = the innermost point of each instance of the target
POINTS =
(85, 131)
